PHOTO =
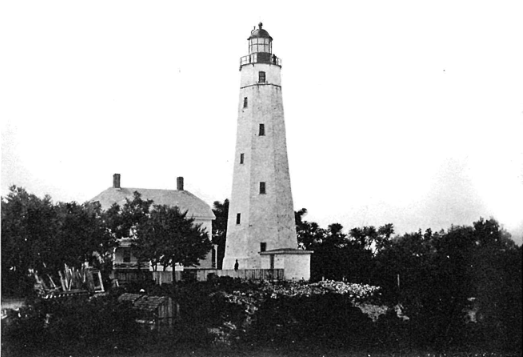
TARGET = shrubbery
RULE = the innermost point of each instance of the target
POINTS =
(229, 312)
(66, 326)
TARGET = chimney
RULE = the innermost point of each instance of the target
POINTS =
(116, 181)
(179, 183)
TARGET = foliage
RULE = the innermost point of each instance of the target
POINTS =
(169, 236)
(124, 221)
(70, 326)
(228, 310)
(309, 233)
(341, 256)
(83, 236)
(39, 235)
(28, 237)
(435, 276)
(355, 292)
(286, 312)
(219, 227)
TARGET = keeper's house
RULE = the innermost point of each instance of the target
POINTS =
(184, 200)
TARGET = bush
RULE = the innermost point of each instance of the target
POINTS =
(65, 326)
(23, 331)
(230, 311)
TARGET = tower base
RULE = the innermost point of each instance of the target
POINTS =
(243, 263)
(296, 263)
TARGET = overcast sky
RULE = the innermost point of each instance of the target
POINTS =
(403, 112)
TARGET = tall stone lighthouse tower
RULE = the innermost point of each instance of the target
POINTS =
(261, 213)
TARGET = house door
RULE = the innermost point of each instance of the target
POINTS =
(272, 261)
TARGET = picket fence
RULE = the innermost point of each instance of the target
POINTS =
(166, 277)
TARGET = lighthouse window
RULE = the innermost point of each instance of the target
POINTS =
(127, 255)
(262, 130)
(238, 218)
(241, 158)
(260, 45)
(262, 188)
(261, 77)
(263, 247)
(245, 102)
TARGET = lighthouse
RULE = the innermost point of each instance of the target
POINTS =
(261, 230)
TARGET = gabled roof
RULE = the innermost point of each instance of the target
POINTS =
(184, 200)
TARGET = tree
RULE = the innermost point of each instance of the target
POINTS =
(441, 273)
(29, 226)
(338, 255)
(83, 236)
(329, 260)
(219, 227)
(168, 236)
(495, 269)
(40, 236)
(308, 233)
(370, 238)
(123, 221)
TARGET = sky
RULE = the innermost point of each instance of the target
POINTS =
(403, 112)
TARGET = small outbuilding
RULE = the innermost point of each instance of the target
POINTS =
(156, 313)
(296, 263)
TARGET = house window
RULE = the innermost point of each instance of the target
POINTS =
(126, 255)
(262, 130)
(262, 188)
(261, 77)
(238, 218)
(245, 102)
(263, 247)
(241, 158)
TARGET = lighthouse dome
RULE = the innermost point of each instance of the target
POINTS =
(259, 33)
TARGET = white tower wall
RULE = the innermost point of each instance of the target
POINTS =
(264, 217)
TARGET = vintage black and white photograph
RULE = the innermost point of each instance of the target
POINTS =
(339, 178)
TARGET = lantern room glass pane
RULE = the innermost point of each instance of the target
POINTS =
(259, 45)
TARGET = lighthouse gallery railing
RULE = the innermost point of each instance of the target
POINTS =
(260, 57)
